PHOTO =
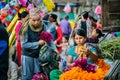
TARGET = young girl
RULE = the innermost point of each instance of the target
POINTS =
(81, 49)
(63, 54)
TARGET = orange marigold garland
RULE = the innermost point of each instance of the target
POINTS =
(77, 73)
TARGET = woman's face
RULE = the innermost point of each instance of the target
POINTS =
(79, 40)
(35, 21)
(51, 19)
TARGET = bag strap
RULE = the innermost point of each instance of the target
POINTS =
(43, 49)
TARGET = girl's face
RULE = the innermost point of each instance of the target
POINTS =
(35, 21)
(79, 40)
(51, 19)
(64, 40)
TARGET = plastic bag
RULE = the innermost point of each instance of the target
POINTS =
(67, 8)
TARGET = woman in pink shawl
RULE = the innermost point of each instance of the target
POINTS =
(22, 18)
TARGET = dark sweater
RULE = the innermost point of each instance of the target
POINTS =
(4, 53)
(32, 37)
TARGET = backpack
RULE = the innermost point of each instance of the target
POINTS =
(48, 59)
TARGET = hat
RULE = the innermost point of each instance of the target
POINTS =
(34, 12)
(54, 16)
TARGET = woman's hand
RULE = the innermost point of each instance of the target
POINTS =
(41, 42)
(86, 51)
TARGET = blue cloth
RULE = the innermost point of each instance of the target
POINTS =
(72, 53)
(63, 56)
(29, 67)
(51, 27)
(65, 26)
(3, 46)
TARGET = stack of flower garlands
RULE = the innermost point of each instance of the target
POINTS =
(81, 70)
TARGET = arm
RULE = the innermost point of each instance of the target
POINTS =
(93, 56)
(53, 46)
(59, 34)
(29, 45)
(70, 56)
(69, 61)
(92, 53)
(63, 44)
(79, 24)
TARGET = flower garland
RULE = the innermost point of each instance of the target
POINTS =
(40, 76)
(82, 63)
(79, 73)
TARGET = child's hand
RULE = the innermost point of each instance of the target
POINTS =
(55, 42)
(41, 42)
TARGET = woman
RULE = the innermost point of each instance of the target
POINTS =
(31, 44)
(58, 39)
(81, 49)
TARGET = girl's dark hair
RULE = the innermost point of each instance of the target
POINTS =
(80, 32)
(66, 37)
(85, 14)
(100, 34)
(57, 23)
(23, 14)
(46, 17)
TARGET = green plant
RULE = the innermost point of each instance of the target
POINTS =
(110, 48)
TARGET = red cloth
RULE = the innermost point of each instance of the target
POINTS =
(18, 46)
(99, 26)
(19, 52)
(59, 37)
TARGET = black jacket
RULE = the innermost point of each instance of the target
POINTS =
(4, 52)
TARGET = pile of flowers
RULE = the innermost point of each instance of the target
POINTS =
(82, 63)
(83, 71)
(40, 76)
(46, 36)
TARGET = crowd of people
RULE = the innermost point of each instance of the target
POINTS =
(65, 42)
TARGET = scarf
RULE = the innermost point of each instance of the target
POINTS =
(24, 28)
(36, 29)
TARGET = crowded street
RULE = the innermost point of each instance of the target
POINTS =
(59, 39)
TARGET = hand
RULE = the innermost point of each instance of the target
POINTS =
(41, 42)
(86, 50)
(55, 42)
